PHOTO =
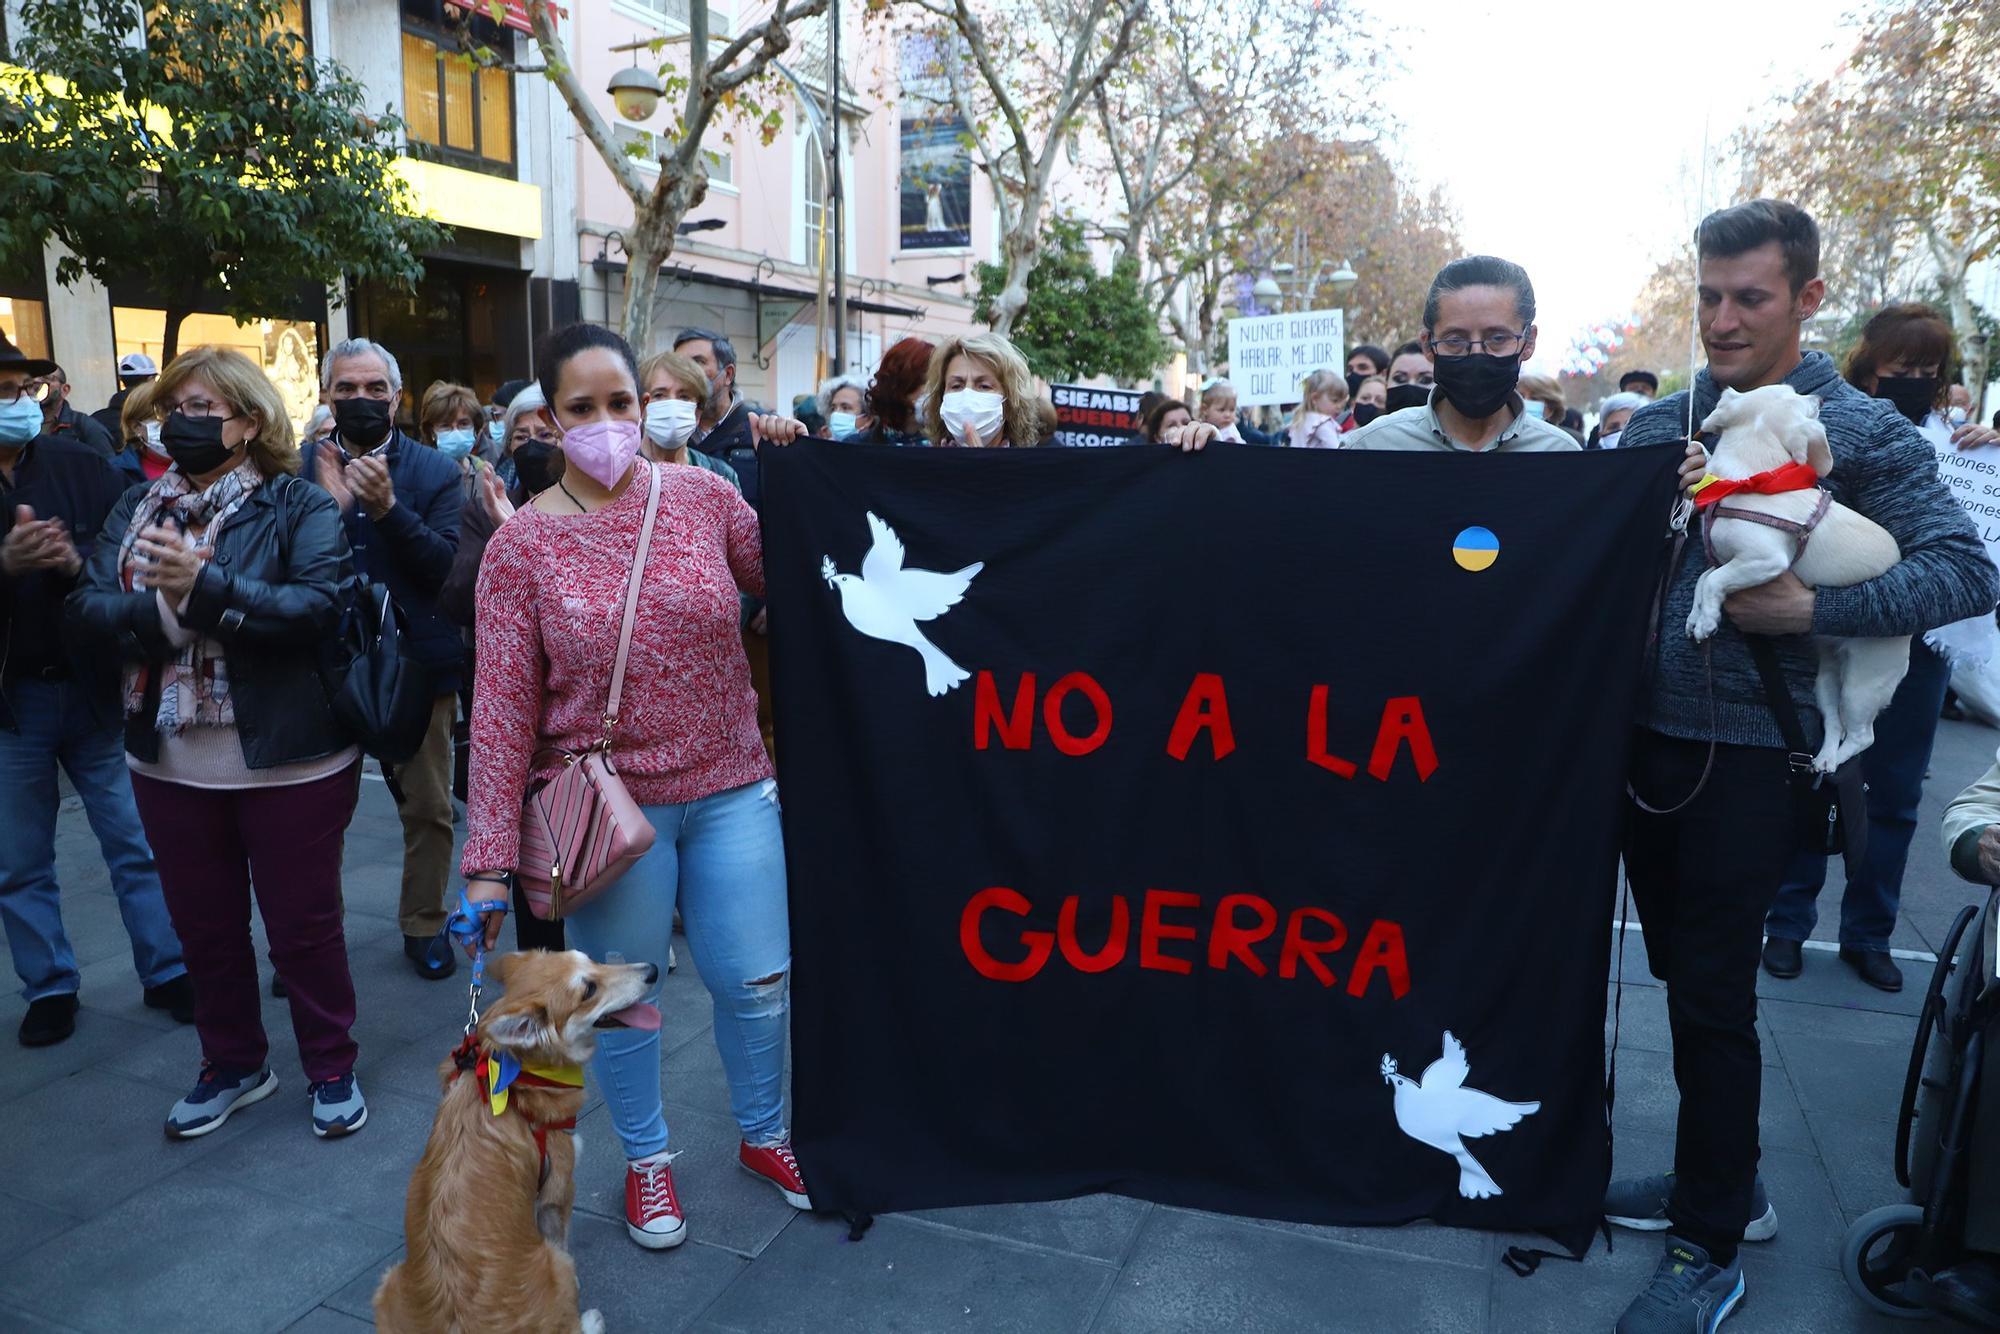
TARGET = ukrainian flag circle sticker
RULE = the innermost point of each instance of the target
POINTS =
(1475, 549)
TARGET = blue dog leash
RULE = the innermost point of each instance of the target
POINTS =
(467, 924)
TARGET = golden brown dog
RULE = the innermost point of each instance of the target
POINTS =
(487, 1216)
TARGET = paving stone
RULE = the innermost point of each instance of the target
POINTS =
(1099, 1227)
(1781, 1296)
(364, 1176)
(1422, 1240)
(97, 1139)
(725, 1205)
(637, 1289)
(23, 1223)
(1202, 1272)
(114, 1273)
(98, 1037)
(1828, 982)
(356, 1297)
(1859, 1154)
(1649, 1100)
(326, 1320)
(1850, 1022)
(1835, 1074)
(16, 1321)
(903, 1276)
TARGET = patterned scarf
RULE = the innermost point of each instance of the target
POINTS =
(194, 684)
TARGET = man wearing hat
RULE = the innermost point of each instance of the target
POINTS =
(55, 492)
(134, 369)
(1639, 382)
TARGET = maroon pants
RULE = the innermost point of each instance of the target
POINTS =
(211, 846)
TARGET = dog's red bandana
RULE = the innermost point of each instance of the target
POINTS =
(1791, 477)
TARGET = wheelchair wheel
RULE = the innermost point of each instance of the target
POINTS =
(1875, 1259)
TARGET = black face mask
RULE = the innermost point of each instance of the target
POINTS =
(195, 443)
(538, 464)
(363, 422)
(1354, 379)
(1914, 395)
(1477, 384)
(1365, 413)
(1407, 396)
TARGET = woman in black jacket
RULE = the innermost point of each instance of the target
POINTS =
(216, 586)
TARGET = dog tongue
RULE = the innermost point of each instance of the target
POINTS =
(641, 1015)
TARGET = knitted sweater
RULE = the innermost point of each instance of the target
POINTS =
(1882, 468)
(551, 595)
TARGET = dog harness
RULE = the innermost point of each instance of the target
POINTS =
(497, 1072)
(1710, 491)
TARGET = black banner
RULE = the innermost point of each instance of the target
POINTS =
(1235, 831)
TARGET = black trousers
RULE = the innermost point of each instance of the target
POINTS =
(1703, 878)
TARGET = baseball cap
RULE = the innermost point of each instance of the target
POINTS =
(136, 363)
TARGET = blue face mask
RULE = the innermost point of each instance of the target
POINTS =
(20, 421)
(842, 423)
(496, 431)
(456, 443)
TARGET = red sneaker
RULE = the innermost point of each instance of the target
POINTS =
(774, 1163)
(653, 1215)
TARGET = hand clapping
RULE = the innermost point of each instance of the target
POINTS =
(38, 544)
(174, 563)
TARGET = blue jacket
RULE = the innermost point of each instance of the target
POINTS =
(410, 550)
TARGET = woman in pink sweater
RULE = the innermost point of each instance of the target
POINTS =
(550, 600)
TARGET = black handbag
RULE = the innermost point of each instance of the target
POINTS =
(1832, 808)
(383, 699)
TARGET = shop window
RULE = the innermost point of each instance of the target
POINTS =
(456, 111)
(26, 324)
(672, 15)
(644, 147)
(287, 350)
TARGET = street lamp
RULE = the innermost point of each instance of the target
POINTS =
(1342, 281)
(636, 92)
(1267, 291)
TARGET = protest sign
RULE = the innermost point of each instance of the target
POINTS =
(1270, 354)
(1088, 417)
(1973, 475)
(1191, 879)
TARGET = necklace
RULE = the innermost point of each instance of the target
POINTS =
(572, 498)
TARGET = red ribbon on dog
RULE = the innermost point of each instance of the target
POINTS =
(1791, 477)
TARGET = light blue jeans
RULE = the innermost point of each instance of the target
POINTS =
(723, 859)
(56, 727)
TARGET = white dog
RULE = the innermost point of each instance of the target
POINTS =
(1762, 431)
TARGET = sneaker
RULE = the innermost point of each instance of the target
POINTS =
(217, 1093)
(337, 1106)
(653, 1216)
(775, 1163)
(1640, 1203)
(1688, 1295)
(49, 1020)
(433, 956)
(175, 996)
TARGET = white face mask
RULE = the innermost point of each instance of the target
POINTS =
(1956, 416)
(153, 438)
(975, 408)
(1609, 440)
(669, 422)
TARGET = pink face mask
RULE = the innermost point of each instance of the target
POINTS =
(603, 449)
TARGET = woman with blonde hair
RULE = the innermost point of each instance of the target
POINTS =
(672, 388)
(1542, 397)
(980, 393)
(1322, 403)
(217, 585)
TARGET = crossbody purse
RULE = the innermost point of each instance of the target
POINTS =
(581, 830)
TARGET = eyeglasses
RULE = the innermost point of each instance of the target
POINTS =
(523, 434)
(197, 407)
(37, 391)
(1497, 345)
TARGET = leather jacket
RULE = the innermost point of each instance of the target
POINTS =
(271, 596)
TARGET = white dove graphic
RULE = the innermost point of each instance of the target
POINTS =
(885, 601)
(1442, 1113)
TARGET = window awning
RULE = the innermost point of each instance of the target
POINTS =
(681, 273)
(512, 13)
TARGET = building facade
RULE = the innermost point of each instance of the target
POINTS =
(537, 218)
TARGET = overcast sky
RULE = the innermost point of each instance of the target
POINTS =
(1500, 98)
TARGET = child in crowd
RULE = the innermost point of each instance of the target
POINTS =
(1218, 409)
(1322, 403)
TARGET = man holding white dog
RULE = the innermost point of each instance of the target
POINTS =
(1709, 751)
